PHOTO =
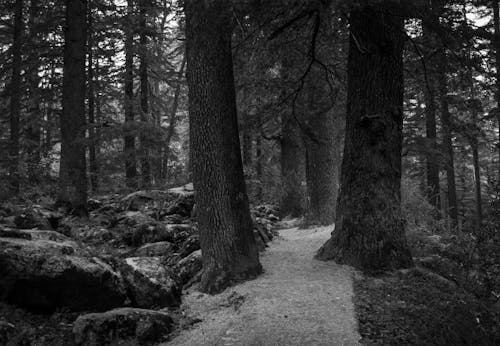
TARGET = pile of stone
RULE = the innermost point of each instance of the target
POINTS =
(133, 256)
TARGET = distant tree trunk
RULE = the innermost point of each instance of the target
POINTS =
(496, 21)
(72, 172)
(15, 98)
(321, 154)
(129, 138)
(370, 230)
(33, 126)
(258, 167)
(293, 163)
(247, 142)
(173, 116)
(143, 75)
(447, 141)
(94, 171)
(226, 231)
(433, 189)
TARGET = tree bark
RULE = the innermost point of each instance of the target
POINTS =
(94, 169)
(34, 122)
(15, 98)
(496, 22)
(293, 163)
(433, 188)
(447, 140)
(129, 138)
(72, 172)
(226, 231)
(143, 75)
(321, 153)
(370, 230)
(173, 115)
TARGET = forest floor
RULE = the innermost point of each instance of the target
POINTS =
(297, 301)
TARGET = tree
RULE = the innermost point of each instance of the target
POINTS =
(433, 188)
(72, 172)
(94, 168)
(226, 230)
(15, 97)
(496, 48)
(129, 138)
(321, 150)
(143, 75)
(370, 230)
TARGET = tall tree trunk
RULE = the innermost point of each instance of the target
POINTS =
(496, 22)
(173, 116)
(143, 75)
(226, 231)
(258, 167)
(129, 138)
(321, 154)
(33, 126)
(447, 140)
(370, 230)
(72, 172)
(15, 98)
(293, 163)
(433, 189)
(94, 172)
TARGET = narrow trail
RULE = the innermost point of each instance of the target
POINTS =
(297, 301)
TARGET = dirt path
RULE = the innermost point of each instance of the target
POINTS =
(297, 301)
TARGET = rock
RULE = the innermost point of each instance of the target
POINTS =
(178, 233)
(7, 331)
(189, 245)
(31, 218)
(137, 229)
(124, 326)
(150, 283)
(182, 206)
(188, 267)
(44, 275)
(161, 248)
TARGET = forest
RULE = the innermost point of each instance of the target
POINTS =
(248, 172)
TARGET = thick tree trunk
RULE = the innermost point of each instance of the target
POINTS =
(433, 189)
(173, 117)
(447, 142)
(15, 98)
(293, 163)
(496, 22)
(72, 172)
(94, 171)
(129, 138)
(33, 135)
(370, 230)
(321, 153)
(226, 231)
(143, 75)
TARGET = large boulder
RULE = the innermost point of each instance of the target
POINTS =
(136, 229)
(188, 267)
(150, 283)
(157, 249)
(43, 275)
(125, 326)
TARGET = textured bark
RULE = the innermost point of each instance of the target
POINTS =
(370, 231)
(173, 116)
(433, 189)
(33, 135)
(72, 172)
(129, 138)
(496, 22)
(447, 141)
(15, 98)
(321, 152)
(94, 169)
(143, 75)
(293, 163)
(226, 231)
